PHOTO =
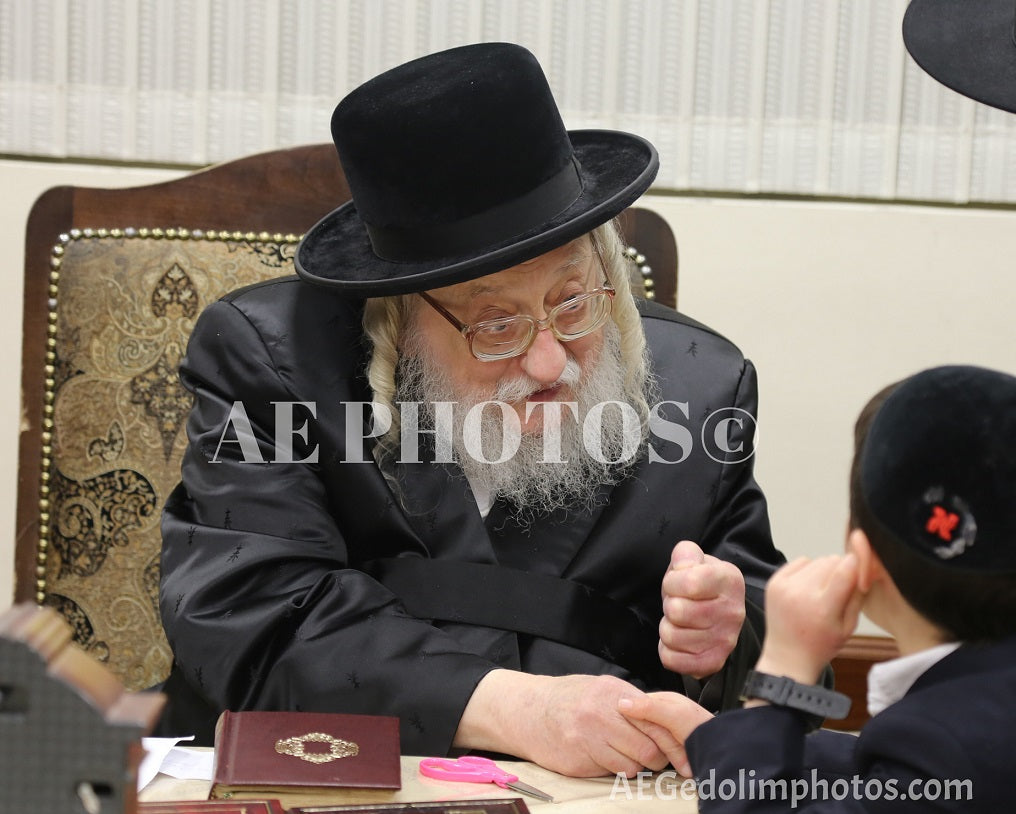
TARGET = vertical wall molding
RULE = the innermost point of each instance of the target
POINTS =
(802, 97)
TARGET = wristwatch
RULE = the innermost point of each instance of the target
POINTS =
(819, 702)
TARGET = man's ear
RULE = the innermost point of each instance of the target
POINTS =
(869, 566)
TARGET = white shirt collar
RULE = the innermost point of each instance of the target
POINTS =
(888, 681)
(484, 499)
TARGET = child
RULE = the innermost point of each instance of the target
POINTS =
(931, 558)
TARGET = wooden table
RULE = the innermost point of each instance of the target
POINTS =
(664, 792)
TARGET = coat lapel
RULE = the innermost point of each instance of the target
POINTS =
(439, 504)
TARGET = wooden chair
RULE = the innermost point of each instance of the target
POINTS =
(851, 668)
(114, 280)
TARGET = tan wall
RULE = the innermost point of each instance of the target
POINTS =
(830, 300)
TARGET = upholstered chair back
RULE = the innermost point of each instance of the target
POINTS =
(122, 305)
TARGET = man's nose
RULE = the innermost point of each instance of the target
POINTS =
(546, 358)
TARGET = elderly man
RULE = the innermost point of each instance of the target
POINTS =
(444, 474)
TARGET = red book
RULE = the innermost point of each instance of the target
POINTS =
(212, 807)
(306, 754)
(492, 806)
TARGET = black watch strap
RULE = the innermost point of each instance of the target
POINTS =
(785, 692)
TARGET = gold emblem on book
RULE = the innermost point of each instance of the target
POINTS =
(296, 747)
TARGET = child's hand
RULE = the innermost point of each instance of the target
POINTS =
(668, 718)
(812, 607)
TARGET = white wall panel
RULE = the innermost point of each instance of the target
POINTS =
(935, 141)
(799, 74)
(656, 69)
(100, 79)
(312, 69)
(993, 155)
(803, 97)
(33, 76)
(242, 77)
(868, 89)
(171, 52)
(729, 95)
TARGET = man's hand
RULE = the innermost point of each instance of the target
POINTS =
(703, 610)
(812, 607)
(668, 718)
(569, 724)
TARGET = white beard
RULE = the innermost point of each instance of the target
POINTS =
(532, 481)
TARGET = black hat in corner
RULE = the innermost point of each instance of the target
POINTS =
(967, 45)
(460, 166)
(938, 467)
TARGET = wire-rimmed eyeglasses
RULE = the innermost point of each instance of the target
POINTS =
(493, 339)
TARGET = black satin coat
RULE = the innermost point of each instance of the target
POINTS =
(265, 596)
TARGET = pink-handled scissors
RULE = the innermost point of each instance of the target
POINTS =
(475, 769)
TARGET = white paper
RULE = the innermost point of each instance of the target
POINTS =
(163, 755)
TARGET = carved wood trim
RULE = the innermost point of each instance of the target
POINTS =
(851, 667)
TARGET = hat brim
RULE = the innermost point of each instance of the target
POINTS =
(615, 169)
(967, 45)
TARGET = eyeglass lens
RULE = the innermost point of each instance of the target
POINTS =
(569, 320)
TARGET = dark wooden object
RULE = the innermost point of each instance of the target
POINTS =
(648, 232)
(851, 667)
(70, 736)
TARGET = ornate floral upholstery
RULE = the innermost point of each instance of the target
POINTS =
(122, 305)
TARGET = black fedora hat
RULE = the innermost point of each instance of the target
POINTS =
(460, 166)
(937, 468)
(967, 45)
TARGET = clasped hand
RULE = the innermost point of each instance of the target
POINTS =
(583, 725)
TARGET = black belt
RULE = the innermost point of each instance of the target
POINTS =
(523, 602)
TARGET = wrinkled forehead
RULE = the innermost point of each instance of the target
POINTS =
(577, 256)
